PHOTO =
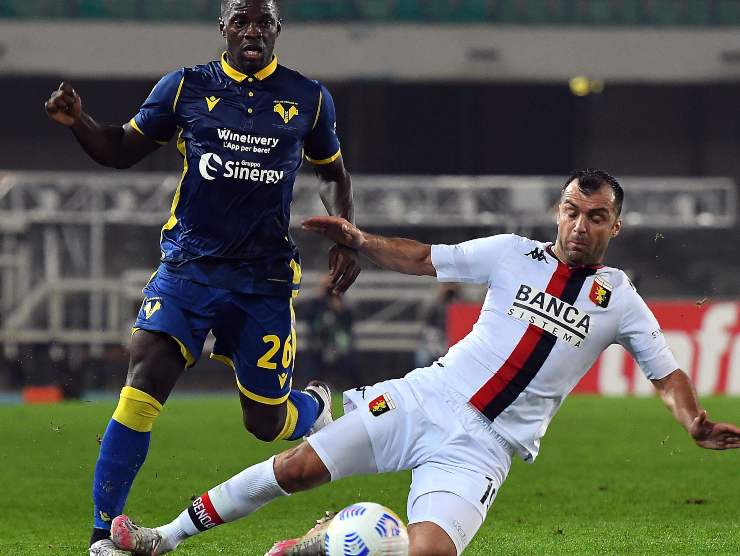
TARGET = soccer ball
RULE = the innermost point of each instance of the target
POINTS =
(366, 529)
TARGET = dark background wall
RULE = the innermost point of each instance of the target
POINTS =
(445, 128)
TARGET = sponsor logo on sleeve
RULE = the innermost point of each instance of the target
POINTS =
(601, 292)
(381, 404)
(553, 315)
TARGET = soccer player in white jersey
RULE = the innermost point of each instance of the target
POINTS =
(551, 309)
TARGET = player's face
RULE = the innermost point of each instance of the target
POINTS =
(250, 28)
(586, 224)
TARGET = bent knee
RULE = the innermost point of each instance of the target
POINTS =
(427, 548)
(429, 539)
(300, 469)
(266, 430)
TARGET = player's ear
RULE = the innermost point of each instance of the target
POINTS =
(617, 227)
(222, 27)
(279, 27)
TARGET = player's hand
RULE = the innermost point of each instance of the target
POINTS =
(344, 268)
(336, 229)
(64, 105)
(714, 436)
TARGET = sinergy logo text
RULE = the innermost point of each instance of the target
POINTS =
(212, 166)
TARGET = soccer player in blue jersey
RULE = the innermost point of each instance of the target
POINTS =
(243, 125)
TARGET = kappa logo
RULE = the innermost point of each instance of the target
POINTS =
(553, 315)
(151, 306)
(381, 404)
(212, 102)
(286, 114)
(601, 292)
(537, 254)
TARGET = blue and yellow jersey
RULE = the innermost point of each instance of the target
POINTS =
(243, 139)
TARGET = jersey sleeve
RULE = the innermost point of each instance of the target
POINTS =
(471, 261)
(640, 334)
(156, 117)
(322, 144)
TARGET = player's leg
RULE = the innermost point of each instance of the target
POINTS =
(155, 365)
(395, 421)
(165, 337)
(441, 524)
(429, 539)
(255, 336)
(452, 492)
(344, 443)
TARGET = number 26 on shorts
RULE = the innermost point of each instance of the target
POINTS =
(267, 361)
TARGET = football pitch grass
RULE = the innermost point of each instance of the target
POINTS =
(615, 476)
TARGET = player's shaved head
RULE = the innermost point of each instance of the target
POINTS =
(227, 6)
(590, 181)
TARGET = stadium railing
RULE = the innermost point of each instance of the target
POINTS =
(530, 12)
(76, 249)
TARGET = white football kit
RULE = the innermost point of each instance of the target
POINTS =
(458, 423)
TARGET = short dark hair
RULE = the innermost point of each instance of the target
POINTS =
(226, 5)
(591, 180)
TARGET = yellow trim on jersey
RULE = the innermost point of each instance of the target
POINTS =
(133, 124)
(223, 359)
(325, 160)
(318, 109)
(258, 398)
(268, 70)
(291, 421)
(172, 221)
(238, 76)
(189, 359)
(137, 410)
(297, 273)
(177, 96)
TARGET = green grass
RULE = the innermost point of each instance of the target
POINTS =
(616, 476)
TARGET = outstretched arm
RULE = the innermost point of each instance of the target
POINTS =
(402, 255)
(112, 146)
(679, 395)
(336, 194)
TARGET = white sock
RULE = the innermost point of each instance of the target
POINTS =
(235, 498)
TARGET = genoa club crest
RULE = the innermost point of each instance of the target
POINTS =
(381, 404)
(601, 292)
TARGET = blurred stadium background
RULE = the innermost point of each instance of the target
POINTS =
(459, 118)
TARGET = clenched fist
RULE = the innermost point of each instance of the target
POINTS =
(64, 105)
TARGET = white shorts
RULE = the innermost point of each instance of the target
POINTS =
(415, 423)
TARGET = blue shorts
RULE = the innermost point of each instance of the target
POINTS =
(255, 334)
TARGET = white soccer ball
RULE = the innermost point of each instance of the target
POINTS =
(366, 529)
